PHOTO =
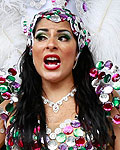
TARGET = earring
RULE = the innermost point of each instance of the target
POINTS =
(76, 60)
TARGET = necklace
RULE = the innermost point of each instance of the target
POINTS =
(56, 106)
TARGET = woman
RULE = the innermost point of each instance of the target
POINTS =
(58, 107)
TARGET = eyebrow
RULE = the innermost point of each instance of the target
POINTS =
(59, 31)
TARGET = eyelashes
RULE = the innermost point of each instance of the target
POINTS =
(60, 37)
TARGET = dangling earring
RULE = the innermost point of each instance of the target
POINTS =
(30, 51)
(76, 60)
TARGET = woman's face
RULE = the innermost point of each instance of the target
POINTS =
(54, 50)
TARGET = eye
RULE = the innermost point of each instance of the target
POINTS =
(41, 37)
(64, 38)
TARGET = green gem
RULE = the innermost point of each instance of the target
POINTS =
(30, 30)
(11, 78)
(116, 101)
(35, 137)
(86, 43)
(61, 137)
(107, 78)
(100, 65)
(48, 17)
(70, 148)
(81, 148)
(107, 113)
(7, 147)
(84, 31)
(116, 85)
(9, 107)
(3, 89)
(78, 132)
(12, 119)
(24, 21)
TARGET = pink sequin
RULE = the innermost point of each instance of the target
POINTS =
(68, 130)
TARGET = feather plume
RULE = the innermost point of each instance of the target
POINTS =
(103, 21)
(12, 39)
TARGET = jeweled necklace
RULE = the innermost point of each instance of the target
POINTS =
(56, 106)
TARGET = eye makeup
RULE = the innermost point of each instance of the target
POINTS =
(65, 36)
(40, 35)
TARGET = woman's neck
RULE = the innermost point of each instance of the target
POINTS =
(54, 91)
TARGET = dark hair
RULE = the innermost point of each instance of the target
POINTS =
(30, 105)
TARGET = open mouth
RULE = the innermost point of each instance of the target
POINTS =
(52, 62)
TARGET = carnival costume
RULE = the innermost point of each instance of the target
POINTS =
(70, 135)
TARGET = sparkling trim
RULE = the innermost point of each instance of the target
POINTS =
(56, 106)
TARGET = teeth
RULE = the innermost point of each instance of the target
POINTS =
(52, 58)
(53, 64)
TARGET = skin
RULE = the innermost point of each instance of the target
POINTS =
(57, 83)
(60, 80)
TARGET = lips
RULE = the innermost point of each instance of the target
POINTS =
(52, 62)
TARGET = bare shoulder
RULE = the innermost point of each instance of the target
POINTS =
(116, 127)
(2, 127)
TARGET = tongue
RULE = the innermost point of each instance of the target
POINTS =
(52, 62)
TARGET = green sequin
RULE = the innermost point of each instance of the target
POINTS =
(116, 85)
(11, 78)
(100, 65)
(48, 17)
(82, 148)
(78, 132)
(116, 101)
(3, 89)
(107, 78)
(9, 107)
(7, 147)
(61, 137)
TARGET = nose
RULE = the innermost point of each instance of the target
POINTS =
(52, 44)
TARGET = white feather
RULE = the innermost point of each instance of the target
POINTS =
(103, 21)
(12, 39)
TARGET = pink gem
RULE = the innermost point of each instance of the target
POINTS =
(10, 141)
(53, 1)
(12, 71)
(107, 106)
(116, 119)
(6, 95)
(80, 141)
(93, 72)
(37, 129)
(2, 80)
(115, 77)
(68, 130)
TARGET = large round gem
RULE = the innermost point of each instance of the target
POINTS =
(75, 124)
(116, 85)
(104, 98)
(108, 89)
(115, 77)
(63, 146)
(61, 137)
(3, 89)
(116, 101)
(2, 80)
(52, 145)
(12, 71)
(116, 119)
(15, 85)
(100, 65)
(107, 106)
(107, 78)
(99, 89)
(9, 107)
(68, 130)
(80, 141)
(93, 72)
(52, 136)
(6, 96)
(78, 132)
(10, 78)
(70, 141)
(108, 64)
(95, 82)
(101, 75)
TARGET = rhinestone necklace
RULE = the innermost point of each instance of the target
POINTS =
(56, 106)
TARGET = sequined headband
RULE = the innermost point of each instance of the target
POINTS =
(58, 15)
